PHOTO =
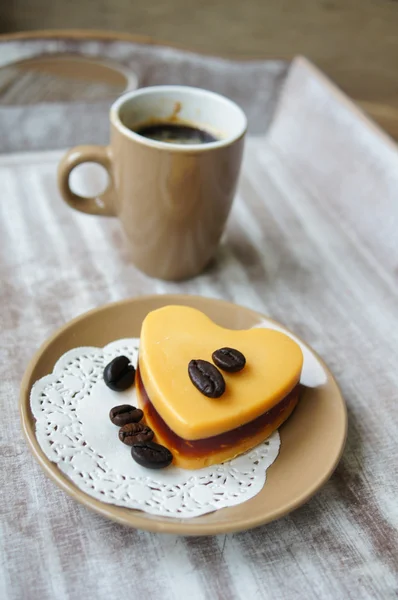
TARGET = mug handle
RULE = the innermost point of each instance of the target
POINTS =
(104, 204)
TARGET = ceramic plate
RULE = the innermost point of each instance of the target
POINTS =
(312, 440)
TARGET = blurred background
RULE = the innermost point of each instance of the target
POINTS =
(354, 41)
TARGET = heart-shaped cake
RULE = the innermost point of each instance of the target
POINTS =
(254, 401)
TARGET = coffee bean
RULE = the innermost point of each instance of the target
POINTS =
(121, 415)
(206, 378)
(119, 374)
(151, 455)
(134, 433)
(229, 359)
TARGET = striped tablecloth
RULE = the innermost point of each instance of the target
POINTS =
(312, 241)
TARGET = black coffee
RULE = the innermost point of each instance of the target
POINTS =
(175, 133)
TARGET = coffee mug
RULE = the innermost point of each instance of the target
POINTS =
(172, 199)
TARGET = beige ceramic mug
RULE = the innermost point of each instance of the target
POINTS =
(173, 199)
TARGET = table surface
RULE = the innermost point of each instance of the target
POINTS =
(354, 42)
(311, 242)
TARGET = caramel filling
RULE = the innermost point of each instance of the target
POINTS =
(205, 446)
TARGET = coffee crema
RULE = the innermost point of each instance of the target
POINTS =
(175, 133)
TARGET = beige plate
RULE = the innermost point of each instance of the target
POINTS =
(312, 439)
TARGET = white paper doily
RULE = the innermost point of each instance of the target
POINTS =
(71, 407)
